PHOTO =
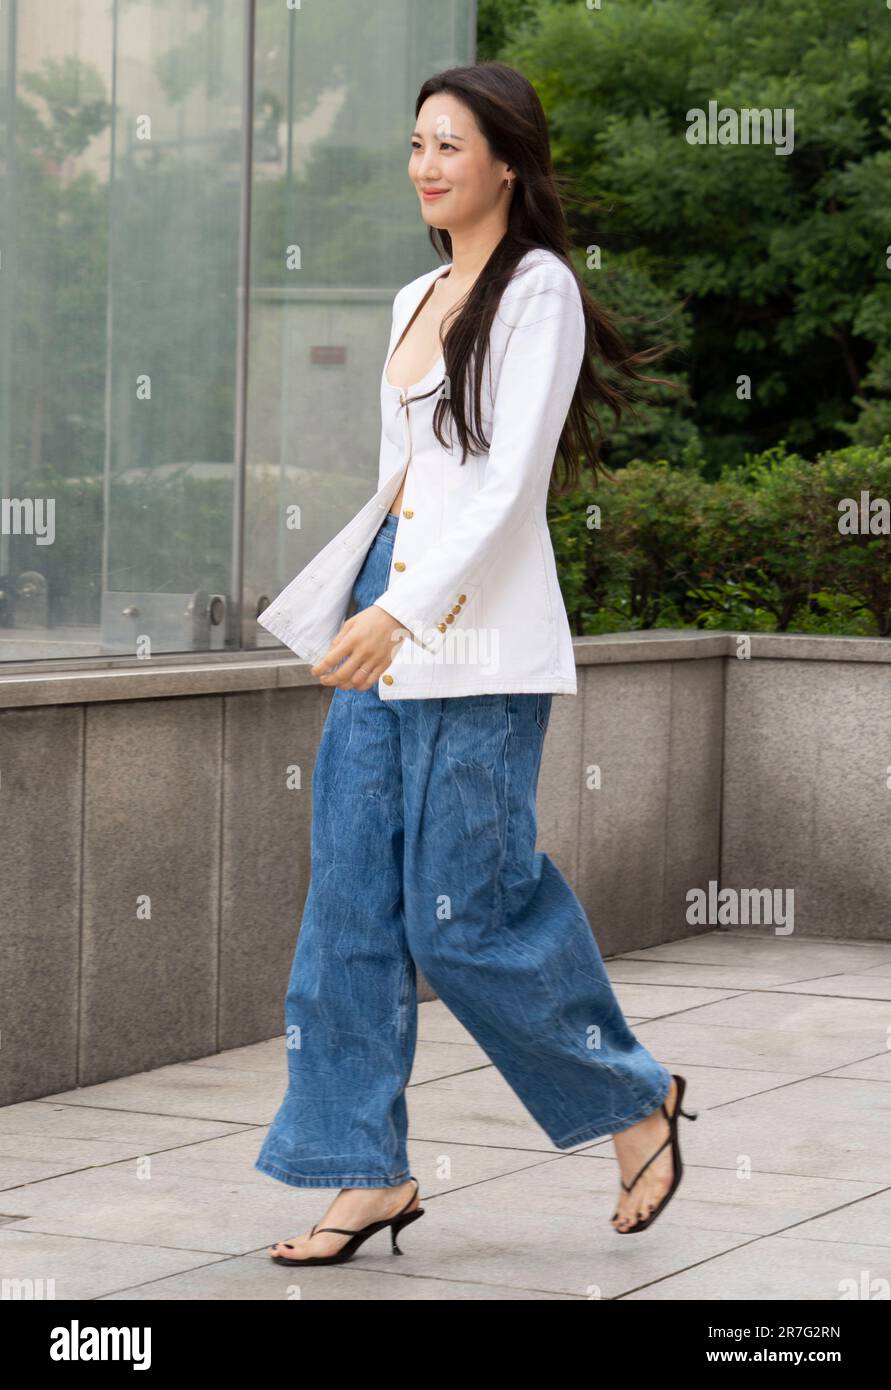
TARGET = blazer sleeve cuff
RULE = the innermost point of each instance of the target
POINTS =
(430, 636)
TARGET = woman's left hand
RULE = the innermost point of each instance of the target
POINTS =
(366, 644)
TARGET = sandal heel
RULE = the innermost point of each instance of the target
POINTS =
(397, 1225)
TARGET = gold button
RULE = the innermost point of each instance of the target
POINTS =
(408, 513)
(449, 618)
(387, 680)
(462, 598)
(457, 608)
(399, 565)
(441, 626)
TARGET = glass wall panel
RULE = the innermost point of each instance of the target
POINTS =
(336, 231)
(119, 233)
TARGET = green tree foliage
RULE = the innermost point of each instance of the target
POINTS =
(780, 261)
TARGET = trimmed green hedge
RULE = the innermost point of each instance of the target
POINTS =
(764, 548)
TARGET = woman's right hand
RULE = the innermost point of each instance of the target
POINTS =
(365, 645)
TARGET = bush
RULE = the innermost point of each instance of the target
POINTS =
(764, 547)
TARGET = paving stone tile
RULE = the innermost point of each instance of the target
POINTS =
(779, 1267)
(86, 1269)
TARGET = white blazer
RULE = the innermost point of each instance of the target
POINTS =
(473, 576)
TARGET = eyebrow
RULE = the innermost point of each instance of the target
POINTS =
(451, 136)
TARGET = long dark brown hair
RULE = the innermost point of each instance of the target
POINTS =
(509, 114)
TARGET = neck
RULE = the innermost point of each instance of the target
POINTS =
(471, 249)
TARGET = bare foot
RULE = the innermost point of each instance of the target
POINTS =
(633, 1147)
(352, 1208)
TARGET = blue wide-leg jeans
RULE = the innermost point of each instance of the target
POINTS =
(423, 854)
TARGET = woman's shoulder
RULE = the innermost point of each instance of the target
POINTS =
(539, 269)
(543, 287)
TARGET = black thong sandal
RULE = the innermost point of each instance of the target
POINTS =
(402, 1218)
(676, 1156)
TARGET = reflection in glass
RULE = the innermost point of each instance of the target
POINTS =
(124, 180)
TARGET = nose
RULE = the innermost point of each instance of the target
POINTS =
(427, 168)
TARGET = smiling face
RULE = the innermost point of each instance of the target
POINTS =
(451, 156)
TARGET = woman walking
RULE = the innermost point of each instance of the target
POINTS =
(424, 823)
